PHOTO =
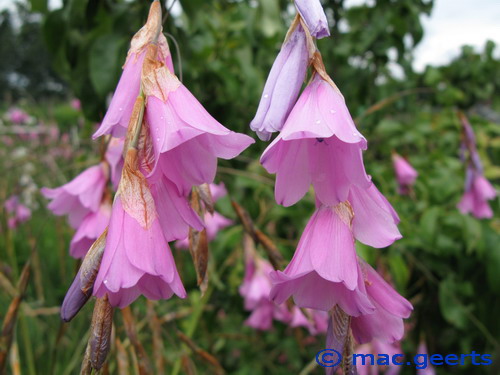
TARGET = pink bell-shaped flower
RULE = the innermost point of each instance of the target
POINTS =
(319, 145)
(80, 196)
(186, 140)
(324, 271)
(137, 259)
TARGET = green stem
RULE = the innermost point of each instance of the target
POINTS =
(195, 318)
(138, 126)
(30, 360)
(9, 244)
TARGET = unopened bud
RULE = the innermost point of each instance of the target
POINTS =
(74, 300)
(81, 289)
(100, 336)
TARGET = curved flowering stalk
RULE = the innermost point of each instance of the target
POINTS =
(172, 144)
(319, 145)
(478, 190)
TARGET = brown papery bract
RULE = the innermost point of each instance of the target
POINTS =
(100, 332)
(345, 212)
(151, 60)
(149, 32)
(134, 192)
(160, 82)
(145, 151)
(91, 263)
(206, 197)
(319, 68)
(198, 244)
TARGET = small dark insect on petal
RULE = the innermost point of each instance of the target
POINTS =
(321, 140)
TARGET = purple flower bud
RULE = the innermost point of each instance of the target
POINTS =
(83, 285)
(282, 86)
(74, 300)
(314, 16)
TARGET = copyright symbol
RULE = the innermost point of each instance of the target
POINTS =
(328, 358)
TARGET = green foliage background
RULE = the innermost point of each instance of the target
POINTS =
(447, 264)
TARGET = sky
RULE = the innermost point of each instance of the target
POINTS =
(452, 24)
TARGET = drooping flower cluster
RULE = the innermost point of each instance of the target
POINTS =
(171, 145)
(256, 289)
(87, 204)
(478, 190)
(17, 212)
(405, 173)
(319, 145)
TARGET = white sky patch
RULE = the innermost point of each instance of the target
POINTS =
(451, 25)
(454, 23)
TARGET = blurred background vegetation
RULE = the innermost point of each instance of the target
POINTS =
(447, 264)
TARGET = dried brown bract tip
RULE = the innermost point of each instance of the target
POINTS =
(319, 68)
(345, 212)
(134, 192)
(150, 32)
(206, 197)
(198, 243)
(159, 82)
(151, 60)
(92, 262)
